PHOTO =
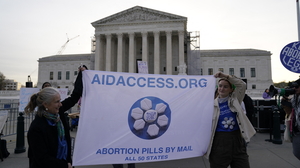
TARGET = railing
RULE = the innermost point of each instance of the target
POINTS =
(12, 106)
(10, 127)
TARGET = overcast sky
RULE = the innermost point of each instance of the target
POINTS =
(31, 29)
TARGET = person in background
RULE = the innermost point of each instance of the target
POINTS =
(286, 105)
(266, 94)
(48, 135)
(75, 116)
(249, 107)
(295, 119)
(231, 128)
(46, 84)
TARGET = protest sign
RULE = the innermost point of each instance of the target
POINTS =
(133, 117)
(26, 93)
(290, 56)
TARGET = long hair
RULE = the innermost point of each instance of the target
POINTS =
(46, 95)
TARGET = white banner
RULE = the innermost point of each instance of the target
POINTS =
(143, 67)
(3, 118)
(132, 118)
(25, 94)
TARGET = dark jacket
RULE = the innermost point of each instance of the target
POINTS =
(43, 138)
(248, 105)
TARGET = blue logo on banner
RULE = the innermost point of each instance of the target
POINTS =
(290, 57)
(149, 117)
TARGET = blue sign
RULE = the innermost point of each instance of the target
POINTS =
(6, 106)
(290, 56)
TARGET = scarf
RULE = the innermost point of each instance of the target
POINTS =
(54, 120)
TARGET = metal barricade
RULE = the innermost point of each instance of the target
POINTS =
(263, 116)
(12, 106)
(10, 127)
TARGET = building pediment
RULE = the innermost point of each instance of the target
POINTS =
(138, 14)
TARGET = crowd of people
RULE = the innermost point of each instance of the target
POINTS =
(49, 134)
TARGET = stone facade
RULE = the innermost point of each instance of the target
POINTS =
(11, 84)
(251, 65)
(162, 40)
(141, 34)
(61, 70)
(256, 63)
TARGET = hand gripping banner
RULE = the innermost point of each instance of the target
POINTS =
(134, 118)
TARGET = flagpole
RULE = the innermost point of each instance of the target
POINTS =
(297, 5)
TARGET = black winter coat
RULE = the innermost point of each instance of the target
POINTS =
(43, 138)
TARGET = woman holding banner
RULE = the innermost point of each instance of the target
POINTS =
(230, 127)
(49, 136)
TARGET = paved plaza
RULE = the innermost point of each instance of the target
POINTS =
(263, 154)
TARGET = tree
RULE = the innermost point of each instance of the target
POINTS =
(282, 84)
(2, 81)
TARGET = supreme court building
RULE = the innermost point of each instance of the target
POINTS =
(141, 34)
(161, 39)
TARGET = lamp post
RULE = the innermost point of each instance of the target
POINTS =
(20, 143)
(29, 83)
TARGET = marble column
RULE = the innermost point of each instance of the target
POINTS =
(120, 53)
(169, 53)
(131, 60)
(108, 53)
(97, 53)
(99, 56)
(181, 47)
(156, 53)
(145, 46)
